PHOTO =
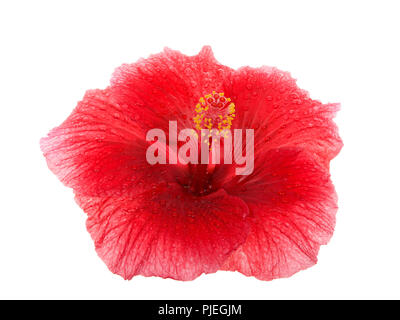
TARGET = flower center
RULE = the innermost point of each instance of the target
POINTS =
(214, 111)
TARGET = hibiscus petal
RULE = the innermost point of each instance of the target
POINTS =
(292, 206)
(169, 84)
(166, 232)
(101, 149)
(283, 115)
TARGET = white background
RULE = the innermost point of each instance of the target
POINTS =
(341, 51)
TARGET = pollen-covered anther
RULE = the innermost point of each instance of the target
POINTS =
(214, 111)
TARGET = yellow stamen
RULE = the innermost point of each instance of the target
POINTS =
(220, 115)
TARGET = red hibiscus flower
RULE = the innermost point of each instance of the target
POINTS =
(179, 221)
